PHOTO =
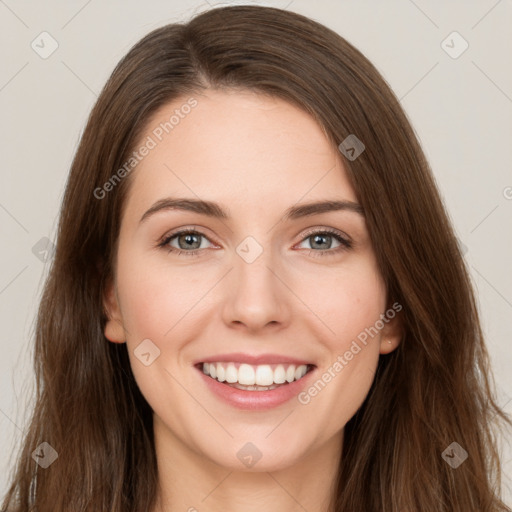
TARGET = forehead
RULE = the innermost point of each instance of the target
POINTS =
(236, 144)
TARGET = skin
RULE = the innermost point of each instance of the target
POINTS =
(256, 156)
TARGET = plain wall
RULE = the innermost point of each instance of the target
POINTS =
(461, 109)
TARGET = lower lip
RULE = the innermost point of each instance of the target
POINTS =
(256, 400)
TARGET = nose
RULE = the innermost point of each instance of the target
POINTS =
(255, 295)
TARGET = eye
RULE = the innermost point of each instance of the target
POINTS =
(189, 242)
(322, 240)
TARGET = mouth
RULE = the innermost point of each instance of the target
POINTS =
(249, 377)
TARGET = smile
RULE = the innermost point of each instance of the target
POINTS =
(255, 387)
(261, 377)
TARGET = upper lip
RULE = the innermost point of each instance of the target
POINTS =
(253, 359)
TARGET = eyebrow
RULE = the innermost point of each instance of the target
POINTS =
(212, 209)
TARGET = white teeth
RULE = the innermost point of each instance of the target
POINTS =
(248, 376)
(300, 372)
(221, 373)
(279, 375)
(264, 375)
(231, 373)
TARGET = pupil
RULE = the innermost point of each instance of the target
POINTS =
(319, 237)
(189, 239)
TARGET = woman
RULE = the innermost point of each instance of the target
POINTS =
(193, 354)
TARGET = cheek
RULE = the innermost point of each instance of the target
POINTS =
(347, 372)
(350, 302)
(155, 297)
(157, 301)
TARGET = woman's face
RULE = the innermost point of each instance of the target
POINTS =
(256, 289)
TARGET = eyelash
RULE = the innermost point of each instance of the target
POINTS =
(345, 244)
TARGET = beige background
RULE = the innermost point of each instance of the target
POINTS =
(461, 109)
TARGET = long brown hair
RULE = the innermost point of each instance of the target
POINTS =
(434, 390)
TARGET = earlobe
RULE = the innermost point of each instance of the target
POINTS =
(114, 330)
(391, 334)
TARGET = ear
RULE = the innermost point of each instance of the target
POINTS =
(114, 330)
(393, 330)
